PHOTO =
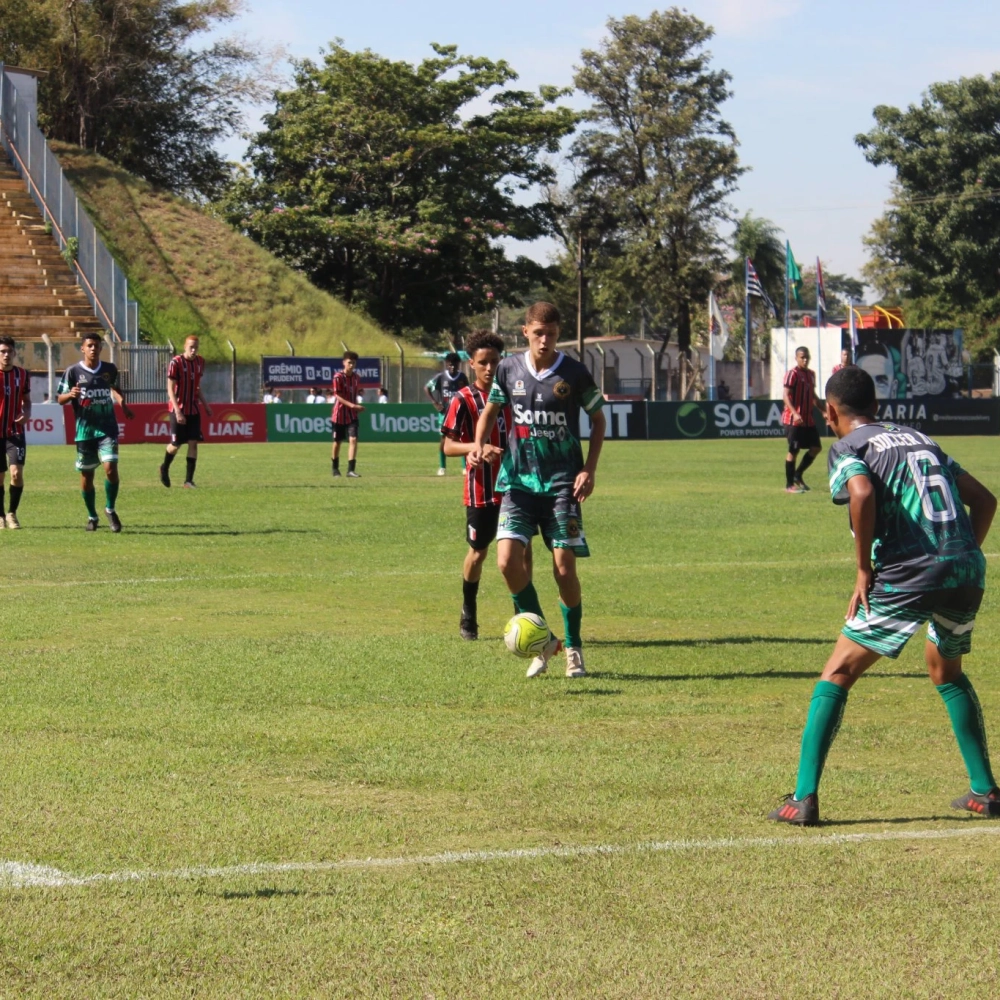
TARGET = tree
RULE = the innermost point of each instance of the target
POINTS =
(123, 79)
(938, 245)
(660, 160)
(369, 179)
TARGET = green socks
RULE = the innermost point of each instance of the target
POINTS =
(527, 601)
(967, 722)
(89, 497)
(441, 460)
(111, 493)
(572, 617)
(825, 712)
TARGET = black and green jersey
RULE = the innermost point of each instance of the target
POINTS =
(923, 535)
(94, 408)
(543, 452)
(444, 387)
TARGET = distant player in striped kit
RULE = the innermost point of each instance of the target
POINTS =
(186, 401)
(15, 410)
(799, 420)
(346, 410)
(482, 502)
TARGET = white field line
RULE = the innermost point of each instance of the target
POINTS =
(22, 875)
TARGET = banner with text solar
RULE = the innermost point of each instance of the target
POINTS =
(303, 373)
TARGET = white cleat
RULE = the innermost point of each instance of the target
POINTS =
(12, 521)
(574, 662)
(541, 663)
(442, 472)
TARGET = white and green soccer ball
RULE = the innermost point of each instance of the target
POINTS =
(527, 635)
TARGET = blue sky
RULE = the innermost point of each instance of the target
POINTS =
(806, 75)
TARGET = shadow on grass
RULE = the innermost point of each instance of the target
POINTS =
(594, 691)
(260, 894)
(730, 640)
(188, 532)
(771, 675)
(881, 819)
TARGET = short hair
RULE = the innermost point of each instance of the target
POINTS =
(92, 336)
(801, 350)
(479, 340)
(452, 359)
(350, 355)
(541, 312)
(853, 389)
(191, 336)
(6, 341)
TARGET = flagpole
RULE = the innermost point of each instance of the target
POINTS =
(711, 347)
(819, 325)
(788, 257)
(746, 345)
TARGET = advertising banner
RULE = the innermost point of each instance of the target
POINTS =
(46, 426)
(759, 418)
(377, 422)
(230, 423)
(937, 416)
(625, 421)
(302, 373)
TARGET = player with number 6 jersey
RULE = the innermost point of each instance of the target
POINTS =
(919, 560)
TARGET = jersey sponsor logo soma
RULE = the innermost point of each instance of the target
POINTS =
(545, 418)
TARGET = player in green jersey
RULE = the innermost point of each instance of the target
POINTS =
(543, 476)
(91, 385)
(919, 559)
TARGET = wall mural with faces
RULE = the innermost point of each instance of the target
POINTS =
(909, 363)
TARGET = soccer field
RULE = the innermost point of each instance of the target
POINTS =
(245, 753)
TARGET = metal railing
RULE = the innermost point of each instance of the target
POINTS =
(97, 273)
(143, 369)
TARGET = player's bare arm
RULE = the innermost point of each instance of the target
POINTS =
(439, 406)
(64, 397)
(204, 402)
(120, 400)
(25, 415)
(786, 396)
(455, 449)
(476, 455)
(172, 396)
(583, 485)
(981, 502)
(862, 507)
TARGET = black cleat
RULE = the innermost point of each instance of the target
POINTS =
(165, 476)
(801, 484)
(798, 812)
(982, 805)
(468, 627)
(92, 524)
(336, 473)
(114, 521)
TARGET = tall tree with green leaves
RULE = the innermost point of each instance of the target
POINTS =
(760, 240)
(124, 78)
(659, 157)
(388, 186)
(938, 245)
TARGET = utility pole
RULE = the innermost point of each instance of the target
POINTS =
(579, 295)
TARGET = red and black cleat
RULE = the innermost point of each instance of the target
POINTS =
(982, 805)
(798, 812)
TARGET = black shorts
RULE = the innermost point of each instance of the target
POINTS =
(341, 431)
(12, 451)
(481, 525)
(190, 430)
(802, 437)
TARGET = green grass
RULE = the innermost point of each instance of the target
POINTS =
(268, 670)
(192, 273)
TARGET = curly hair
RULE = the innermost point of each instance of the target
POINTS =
(479, 339)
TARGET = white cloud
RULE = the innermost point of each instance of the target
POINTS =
(746, 17)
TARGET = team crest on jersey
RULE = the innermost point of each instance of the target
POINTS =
(519, 389)
(106, 376)
(562, 389)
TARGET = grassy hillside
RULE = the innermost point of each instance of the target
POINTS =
(191, 273)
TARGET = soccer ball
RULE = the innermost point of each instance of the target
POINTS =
(527, 635)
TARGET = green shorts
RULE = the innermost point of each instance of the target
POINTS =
(523, 515)
(94, 452)
(895, 617)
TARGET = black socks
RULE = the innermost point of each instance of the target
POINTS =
(790, 472)
(168, 458)
(15, 498)
(807, 460)
(470, 591)
(351, 462)
(191, 463)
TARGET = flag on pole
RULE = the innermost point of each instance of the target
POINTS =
(792, 274)
(719, 335)
(820, 295)
(755, 288)
(854, 327)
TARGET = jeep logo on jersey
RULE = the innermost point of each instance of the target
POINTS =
(538, 418)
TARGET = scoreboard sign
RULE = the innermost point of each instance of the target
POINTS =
(303, 373)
